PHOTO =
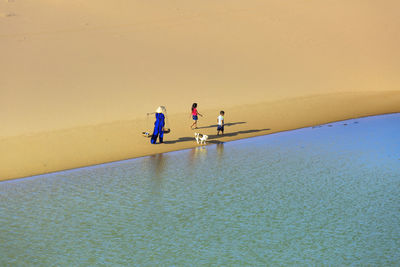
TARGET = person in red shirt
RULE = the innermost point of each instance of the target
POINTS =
(195, 115)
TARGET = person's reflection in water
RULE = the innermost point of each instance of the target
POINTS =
(220, 150)
(157, 165)
(153, 204)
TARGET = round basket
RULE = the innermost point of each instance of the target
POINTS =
(148, 134)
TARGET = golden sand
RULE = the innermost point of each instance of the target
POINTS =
(78, 77)
(82, 146)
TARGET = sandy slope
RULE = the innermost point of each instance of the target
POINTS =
(82, 146)
(94, 68)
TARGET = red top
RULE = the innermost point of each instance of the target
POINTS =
(194, 112)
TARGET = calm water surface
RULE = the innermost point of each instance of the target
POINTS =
(327, 195)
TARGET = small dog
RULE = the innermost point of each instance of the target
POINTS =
(201, 138)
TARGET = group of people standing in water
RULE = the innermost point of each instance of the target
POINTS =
(159, 124)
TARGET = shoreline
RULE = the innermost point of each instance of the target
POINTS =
(178, 150)
(84, 146)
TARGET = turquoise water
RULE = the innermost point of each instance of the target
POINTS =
(326, 195)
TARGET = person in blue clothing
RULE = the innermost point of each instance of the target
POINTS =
(159, 126)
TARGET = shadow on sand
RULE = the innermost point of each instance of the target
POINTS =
(212, 139)
(226, 125)
(180, 139)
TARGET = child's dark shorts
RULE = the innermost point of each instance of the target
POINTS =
(195, 117)
(220, 128)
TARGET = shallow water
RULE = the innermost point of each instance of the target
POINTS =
(326, 195)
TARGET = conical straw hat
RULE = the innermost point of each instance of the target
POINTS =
(160, 109)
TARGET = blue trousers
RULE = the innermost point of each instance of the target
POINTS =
(158, 128)
(158, 133)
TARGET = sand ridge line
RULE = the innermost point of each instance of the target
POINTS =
(87, 28)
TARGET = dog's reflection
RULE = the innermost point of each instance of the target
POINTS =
(197, 153)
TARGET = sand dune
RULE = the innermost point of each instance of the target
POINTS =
(70, 68)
